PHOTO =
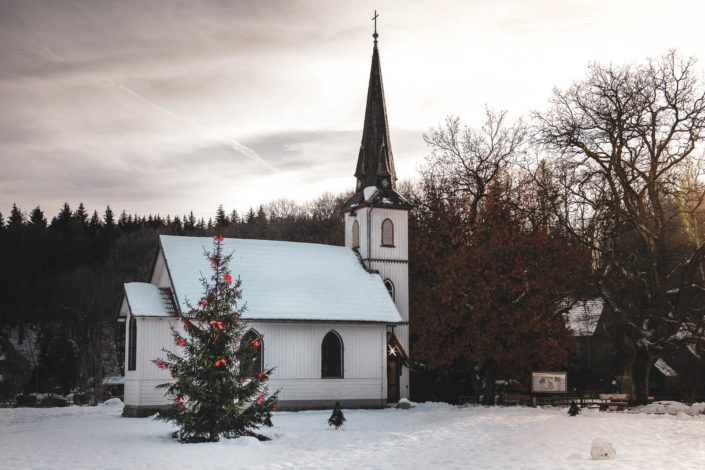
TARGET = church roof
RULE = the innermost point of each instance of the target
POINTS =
(376, 197)
(146, 300)
(284, 280)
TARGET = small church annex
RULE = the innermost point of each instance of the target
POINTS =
(332, 320)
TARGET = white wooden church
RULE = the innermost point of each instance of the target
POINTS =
(332, 320)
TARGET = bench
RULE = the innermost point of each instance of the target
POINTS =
(613, 401)
(516, 399)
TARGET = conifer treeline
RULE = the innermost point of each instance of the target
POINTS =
(65, 275)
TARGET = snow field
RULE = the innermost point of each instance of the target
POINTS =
(429, 436)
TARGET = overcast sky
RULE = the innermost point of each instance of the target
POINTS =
(172, 106)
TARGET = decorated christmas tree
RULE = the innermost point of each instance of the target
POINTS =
(217, 392)
(336, 419)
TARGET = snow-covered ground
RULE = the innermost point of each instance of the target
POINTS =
(428, 436)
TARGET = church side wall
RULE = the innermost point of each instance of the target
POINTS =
(132, 395)
(153, 334)
(294, 349)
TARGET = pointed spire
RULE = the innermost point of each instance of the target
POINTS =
(375, 163)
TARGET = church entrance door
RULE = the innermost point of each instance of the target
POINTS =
(393, 374)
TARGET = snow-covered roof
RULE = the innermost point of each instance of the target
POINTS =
(376, 197)
(145, 300)
(284, 280)
(583, 317)
(663, 367)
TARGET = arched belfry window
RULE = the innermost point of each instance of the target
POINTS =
(355, 235)
(387, 233)
(332, 356)
(253, 363)
(132, 345)
(390, 287)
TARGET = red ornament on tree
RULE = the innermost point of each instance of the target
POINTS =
(160, 364)
(259, 402)
(180, 341)
(220, 324)
(228, 278)
(219, 361)
(255, 342)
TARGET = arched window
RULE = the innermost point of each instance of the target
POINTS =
(252, 364)
(355, 235)
(387, 233)
(390, 287)
(132, 345)
(332, 356)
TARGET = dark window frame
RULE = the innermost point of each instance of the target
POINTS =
(249, 336)
(132, 345)
(329, 362)
(393, 291)
(391, 245)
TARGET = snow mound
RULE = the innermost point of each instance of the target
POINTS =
(113, 402)
(602, 450)
(670, 408)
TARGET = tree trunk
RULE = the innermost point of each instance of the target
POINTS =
(642, 372)
(626, 358)
(489, 378)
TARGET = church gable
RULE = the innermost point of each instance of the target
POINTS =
(285, 280)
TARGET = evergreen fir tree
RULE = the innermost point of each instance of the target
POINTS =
(81, 216)
(221, 218)
(16, 217)
(234, 217)
(64, 217)
(215, 394)
(94, 223)
(574, 410)
(2, 221)
(336, 419)
(250, 218)
(123, 222)
(176, 224)
(190, 222)
(109, 218)
(37, 219)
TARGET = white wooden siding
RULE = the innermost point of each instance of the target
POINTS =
(399, 218)
(160, 275)
(153, 334)
(397, 272)
(294, 349)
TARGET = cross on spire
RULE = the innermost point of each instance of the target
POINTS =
(374, 18)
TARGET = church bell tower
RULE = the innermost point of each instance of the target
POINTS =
(376, 223)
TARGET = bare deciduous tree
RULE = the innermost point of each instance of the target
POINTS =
(627, 181)
(463, 161)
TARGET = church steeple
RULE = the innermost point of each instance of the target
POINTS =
(376, 177)
(375, 163)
